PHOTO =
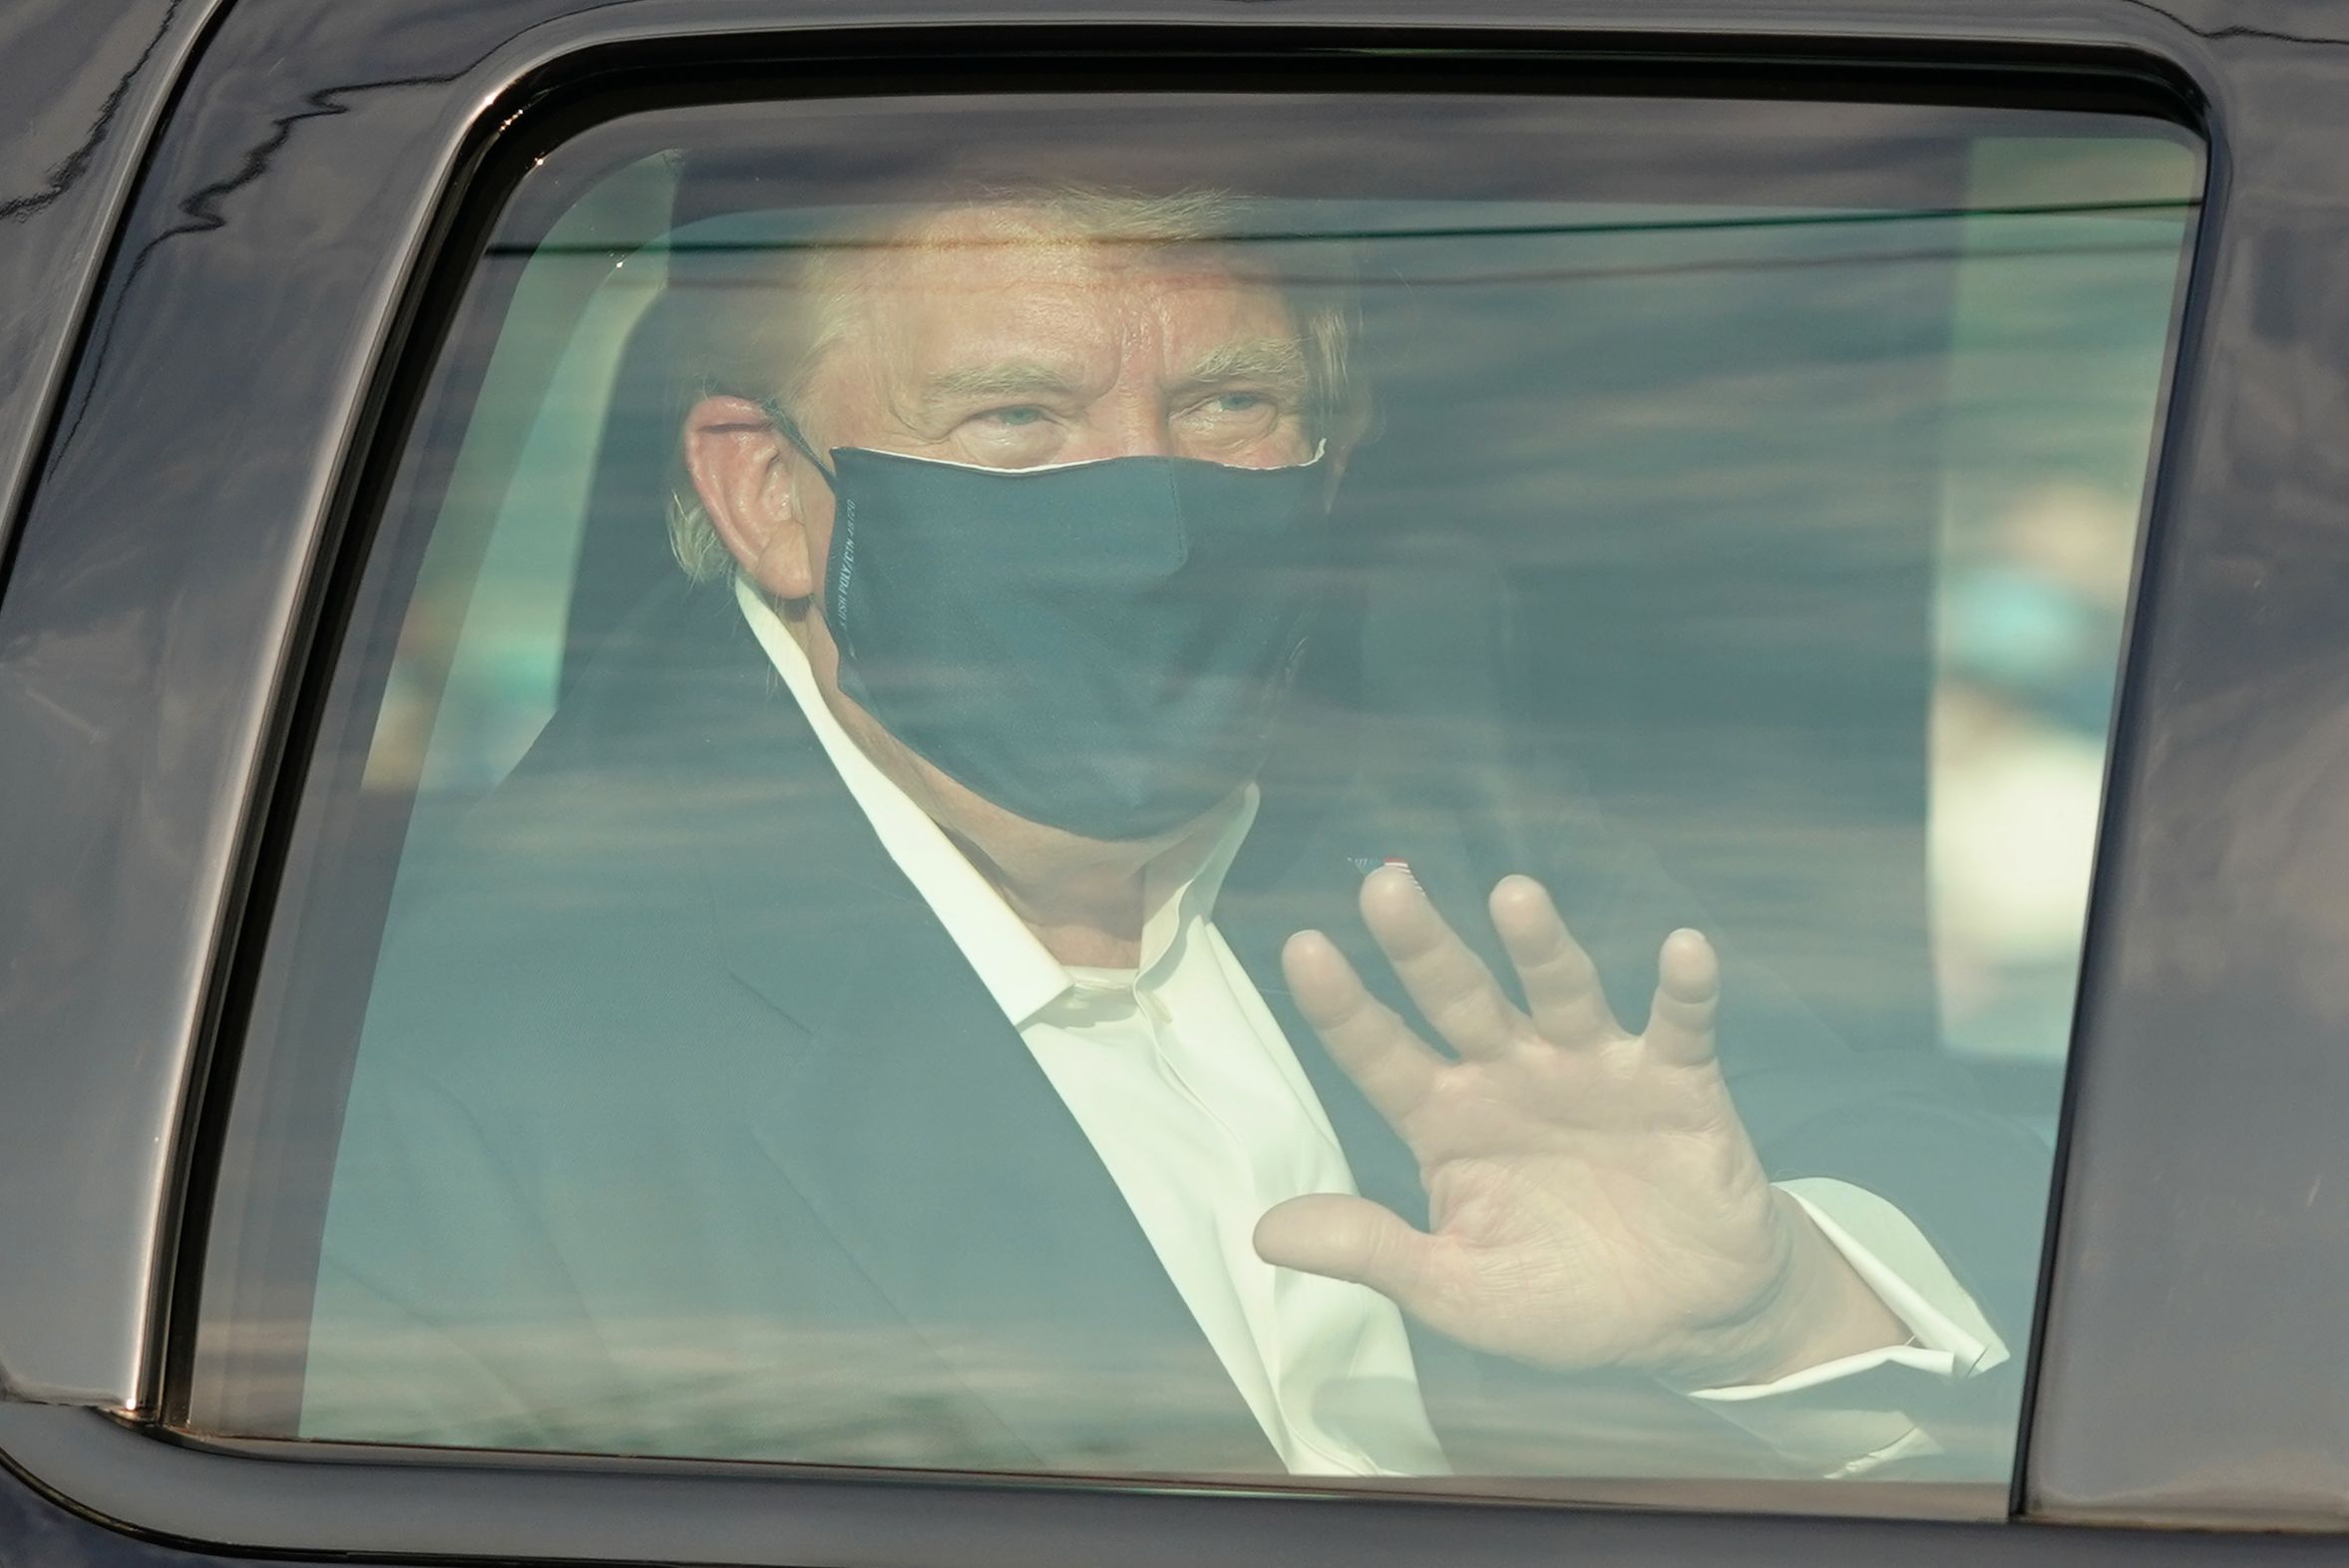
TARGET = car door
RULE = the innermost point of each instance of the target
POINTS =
(1887, 462)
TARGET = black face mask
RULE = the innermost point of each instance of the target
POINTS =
(1101, 648)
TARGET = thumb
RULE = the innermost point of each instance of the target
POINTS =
(1349, 1238)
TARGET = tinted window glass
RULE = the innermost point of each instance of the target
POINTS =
(1221, 786)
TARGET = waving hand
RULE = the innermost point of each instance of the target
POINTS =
(1594, 1198)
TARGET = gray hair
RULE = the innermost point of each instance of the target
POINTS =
(763, 338)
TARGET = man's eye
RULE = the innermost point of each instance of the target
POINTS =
(1023, 414)
(1237, 406)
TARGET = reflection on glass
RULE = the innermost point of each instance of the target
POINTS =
(875, 664)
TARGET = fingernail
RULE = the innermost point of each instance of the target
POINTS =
(1367, 864)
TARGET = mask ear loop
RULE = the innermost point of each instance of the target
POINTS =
(788, 429)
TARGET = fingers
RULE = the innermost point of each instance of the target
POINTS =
(1688, 994)
(1389, 1063)
(1451, 985)
(1562, 989)
(1350, 1237)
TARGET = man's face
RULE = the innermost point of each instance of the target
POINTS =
(995, 338)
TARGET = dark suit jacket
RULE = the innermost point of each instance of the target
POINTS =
(680, 1127)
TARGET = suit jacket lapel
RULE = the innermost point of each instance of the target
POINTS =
(921, 1131)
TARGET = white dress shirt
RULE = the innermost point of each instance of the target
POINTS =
(1193, 1099)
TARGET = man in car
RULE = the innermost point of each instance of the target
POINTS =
(909, 1009)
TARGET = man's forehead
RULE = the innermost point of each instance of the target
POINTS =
(999, 298)
(983, 244)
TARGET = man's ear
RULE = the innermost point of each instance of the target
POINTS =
(742, 469)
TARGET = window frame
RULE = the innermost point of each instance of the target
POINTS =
(380, 1500)
(445, 369)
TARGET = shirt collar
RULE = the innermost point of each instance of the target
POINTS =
(1179, 887)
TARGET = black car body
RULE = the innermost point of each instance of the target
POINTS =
(218, 229)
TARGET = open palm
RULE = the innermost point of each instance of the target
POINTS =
(1594, 1198)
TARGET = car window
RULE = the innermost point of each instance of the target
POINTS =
(1354, 789)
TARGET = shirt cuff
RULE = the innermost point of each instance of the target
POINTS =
(1847, 1417)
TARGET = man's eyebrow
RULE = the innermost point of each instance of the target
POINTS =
(1279, 361)
(1275, 360)
(1003, 378)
